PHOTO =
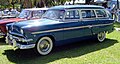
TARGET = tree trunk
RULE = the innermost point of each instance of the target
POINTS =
(13, 6)
(27, 4)
(35, 3)
(42, 3)
(73, 2)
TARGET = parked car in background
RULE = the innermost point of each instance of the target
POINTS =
(26, 14)
(60, 25)
(5, 12)
(14, 13)
(9, 13)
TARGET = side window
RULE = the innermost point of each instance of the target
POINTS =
(101, 13)
(27, 14)
(88, 14)
(37, 14)
(72, 14)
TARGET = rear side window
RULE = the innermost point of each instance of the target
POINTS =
(101, 13)
(88, 14)
(72, 14)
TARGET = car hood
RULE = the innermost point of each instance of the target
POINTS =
(35, 23)
(5, 21)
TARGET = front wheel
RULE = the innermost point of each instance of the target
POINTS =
(44, 45)
(101, 36)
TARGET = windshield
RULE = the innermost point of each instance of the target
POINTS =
(54, 14)
(13, 12)
(24, 14)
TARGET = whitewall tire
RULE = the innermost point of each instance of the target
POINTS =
(44, 45)
(101, 36)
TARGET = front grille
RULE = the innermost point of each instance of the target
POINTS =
(15, 29)
(17, 34)
(17, 38)
(22, 43)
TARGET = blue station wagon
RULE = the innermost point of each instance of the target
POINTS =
(60, 25)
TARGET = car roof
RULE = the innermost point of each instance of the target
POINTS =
(31, 9)
(77, 7)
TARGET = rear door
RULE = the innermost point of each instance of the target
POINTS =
(73, 26)
(88, 19)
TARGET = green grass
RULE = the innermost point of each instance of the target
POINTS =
(117, 24)
(83, 52)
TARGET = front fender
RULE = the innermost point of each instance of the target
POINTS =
(36, 37)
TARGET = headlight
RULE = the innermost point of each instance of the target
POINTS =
(22, 32)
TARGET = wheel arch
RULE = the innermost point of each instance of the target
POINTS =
(46, 35)
(36, 46)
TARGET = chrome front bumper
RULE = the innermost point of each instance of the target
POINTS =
(12, 41)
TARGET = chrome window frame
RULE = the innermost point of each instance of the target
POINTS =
(87, 18)
(96, 16)
(101, 17)
(71, 20)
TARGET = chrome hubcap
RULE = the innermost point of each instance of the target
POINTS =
(101, 35)
(44, 45)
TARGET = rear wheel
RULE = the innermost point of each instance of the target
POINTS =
(44, 45)
(101, 36)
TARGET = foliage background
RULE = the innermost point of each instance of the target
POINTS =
(29, 3)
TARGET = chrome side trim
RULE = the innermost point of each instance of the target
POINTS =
(54, 30)
(48, 31)
(102, 24)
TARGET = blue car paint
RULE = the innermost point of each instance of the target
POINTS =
(63, 36)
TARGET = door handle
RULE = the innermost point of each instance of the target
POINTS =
(90, 26)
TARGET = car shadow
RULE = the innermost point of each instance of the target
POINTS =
(67, 51)
(2, 41)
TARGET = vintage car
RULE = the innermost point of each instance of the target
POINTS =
(14, 12)
(26, 14)
(60, 25)
(9, 14)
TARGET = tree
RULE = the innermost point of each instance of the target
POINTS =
(7, 3)
(27, 3)
(42, 3)
(73, 2)
(13, 2)
(32, 3)
(4, 3)
(87, 1)
(49, 3)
